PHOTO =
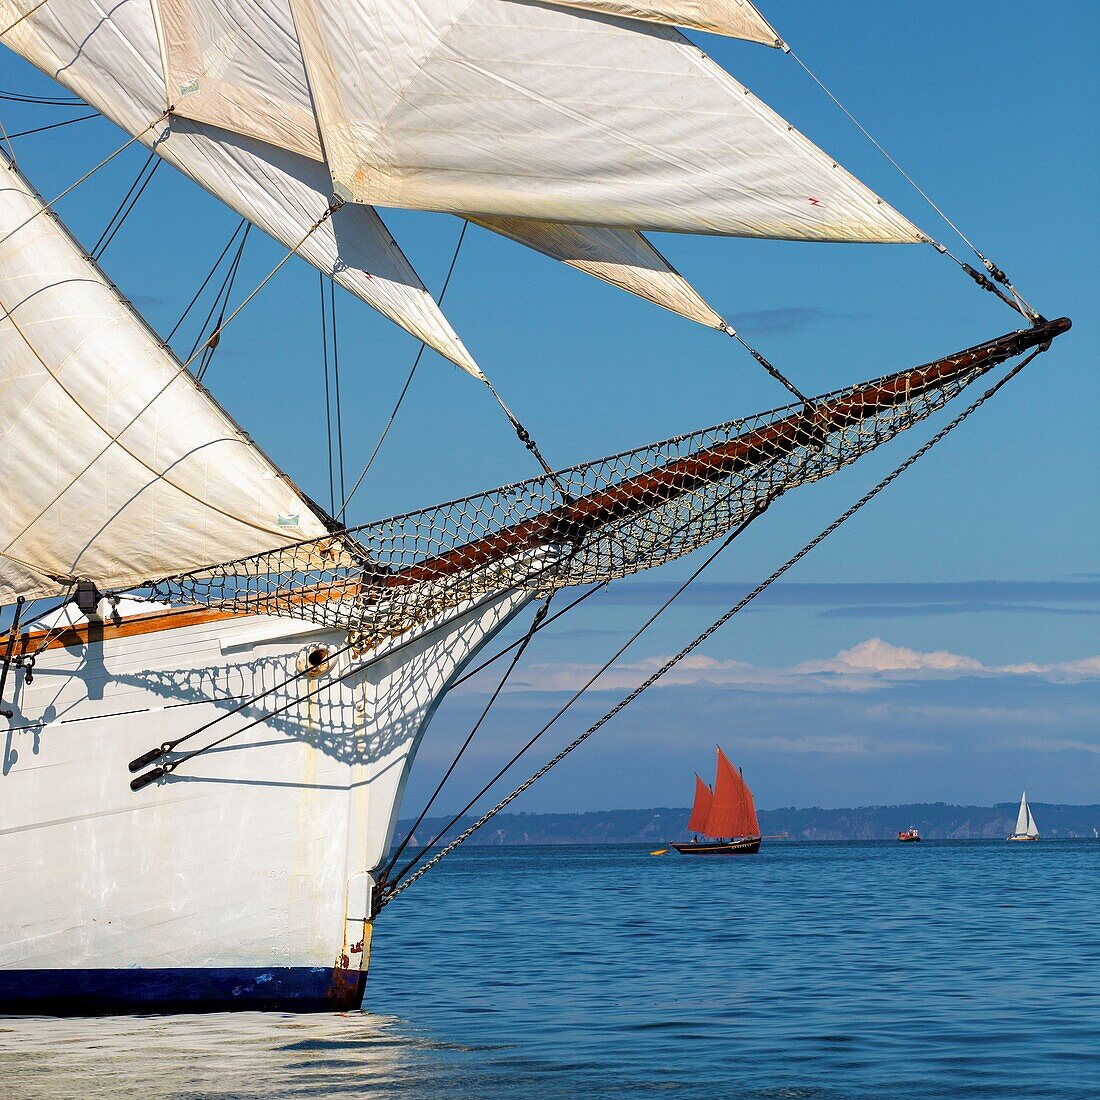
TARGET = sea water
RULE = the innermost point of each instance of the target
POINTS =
(908, 972)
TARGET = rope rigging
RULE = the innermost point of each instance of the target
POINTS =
(529, 581)
(402, 883)
(49, 101)
(1020, 305)
(47, 207)
(220, 303)
(335, 455)
(536, 623)
(339, 516)
(206, 282)
(707, 562)
(126, 206)
(53, 126)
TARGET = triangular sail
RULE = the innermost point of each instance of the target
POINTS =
(113, 60)
(732, 811)
(529, 110)
(621, 257)
(700, 808)
(115, 466)
(735, 18)
(1032, 828)
(1022, 816)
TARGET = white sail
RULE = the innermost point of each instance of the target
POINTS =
(237, 64)
(115, 465)
(112, 59)
(621, 257)
(736, 18)
(527, 110)
(1022, 816)
(1032, 829)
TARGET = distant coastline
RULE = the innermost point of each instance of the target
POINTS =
(935, 820)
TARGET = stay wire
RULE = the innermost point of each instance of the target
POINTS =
(991, 267)
(772, 370)
(328, 395)
(528, 442)
(41, 100)
(408, 381)
(638, 632)
(223, 296)
(530, 582)
(53, 126)
(47, 207)
(336, 389)
(519, 641)
(123, 211)
(402, 885)
(536, 622)
(206, 282)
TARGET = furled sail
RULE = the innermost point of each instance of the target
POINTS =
(732, 811)
(700, 809)
(736, 18)
(533, 111)
(113, 61)
(115, 465)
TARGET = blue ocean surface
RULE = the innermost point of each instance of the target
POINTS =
(909, 972)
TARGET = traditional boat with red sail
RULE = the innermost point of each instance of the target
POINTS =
(726, 816)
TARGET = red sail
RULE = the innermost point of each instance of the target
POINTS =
(732, 811)
(700, 811)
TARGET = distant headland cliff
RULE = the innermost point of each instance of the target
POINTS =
(935, 820)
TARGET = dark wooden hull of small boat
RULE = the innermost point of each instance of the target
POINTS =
(720, 848)
(908, 839)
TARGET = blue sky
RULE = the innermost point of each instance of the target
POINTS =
(986, 553)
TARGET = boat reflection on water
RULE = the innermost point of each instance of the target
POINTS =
(238, 1055)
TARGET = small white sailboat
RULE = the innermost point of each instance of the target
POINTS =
(1026, 828)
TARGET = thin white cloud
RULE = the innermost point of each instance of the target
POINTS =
(870, 665)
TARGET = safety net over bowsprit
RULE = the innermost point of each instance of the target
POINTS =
(589, 523)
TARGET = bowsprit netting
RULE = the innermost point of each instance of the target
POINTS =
(620, 514)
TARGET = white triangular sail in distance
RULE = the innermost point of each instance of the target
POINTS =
(114, 62)
(1022, 816)
(533, 111)
(1032, 829)
(735, 18)
(115, 466)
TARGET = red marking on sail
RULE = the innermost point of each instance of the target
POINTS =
(700, 811)
(732, 810)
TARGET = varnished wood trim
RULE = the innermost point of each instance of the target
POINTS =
(82, 634)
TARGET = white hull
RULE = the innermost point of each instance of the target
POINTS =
(246, 872)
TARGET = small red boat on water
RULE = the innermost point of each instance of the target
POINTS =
(726, 816)
(909, 836)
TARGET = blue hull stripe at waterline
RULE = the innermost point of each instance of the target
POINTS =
(138, 991)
